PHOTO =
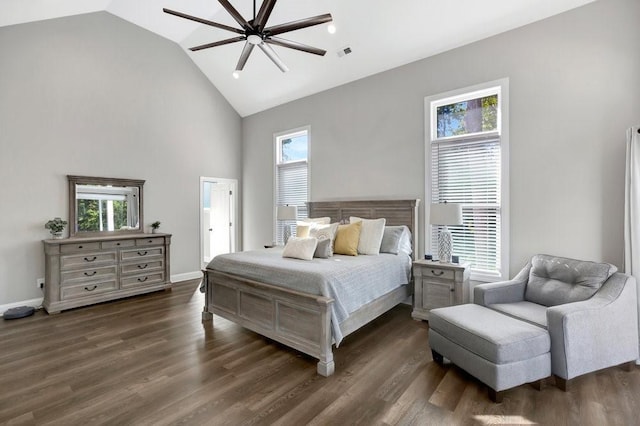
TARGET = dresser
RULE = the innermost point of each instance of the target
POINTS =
(438, 285)
(84, 271)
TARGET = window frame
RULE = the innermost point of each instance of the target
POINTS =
(431, 103)
(277, 138)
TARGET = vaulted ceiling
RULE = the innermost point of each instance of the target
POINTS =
(382, 34)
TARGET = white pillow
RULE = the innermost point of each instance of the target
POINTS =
(303, 227)
(300, 248)
(370, 234)
(325, 232)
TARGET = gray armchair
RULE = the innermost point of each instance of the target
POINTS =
(589, 310)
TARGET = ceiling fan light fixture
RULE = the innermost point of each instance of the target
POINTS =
(254, 39)
(331, 29)
(255, 32)
(236, 74)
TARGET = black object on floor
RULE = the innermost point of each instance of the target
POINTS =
(19, 312)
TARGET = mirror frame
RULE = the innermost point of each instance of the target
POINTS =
(90, 180)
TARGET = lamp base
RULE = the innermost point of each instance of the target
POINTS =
(444, 246)
(286, 233)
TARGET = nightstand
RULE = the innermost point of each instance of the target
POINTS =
(438, 285)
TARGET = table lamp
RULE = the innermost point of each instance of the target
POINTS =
(445, 214)
(287, 213)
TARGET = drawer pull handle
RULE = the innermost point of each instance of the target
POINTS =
(150, 241)
(79, 247)
(91, 289)
(90, 274)
(437, 274)
(142, 279)
(117, 244)
(143, 266)
(144, 253)
(90, 260)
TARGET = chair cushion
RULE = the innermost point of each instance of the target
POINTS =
(491, 335)
(526, 311)
(559, 280)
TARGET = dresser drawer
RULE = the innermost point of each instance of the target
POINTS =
(88, 260)
(118, 244)
(87, 289)
(141, 280)
(141, 267)
(89, 274)
(444, 274)
(80, 247)
(141, 253)
(151, 241)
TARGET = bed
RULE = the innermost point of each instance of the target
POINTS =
(293, 315)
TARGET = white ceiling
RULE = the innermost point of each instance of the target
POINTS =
(382, 34)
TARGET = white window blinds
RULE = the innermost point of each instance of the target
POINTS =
(467, 171)
(292, 176)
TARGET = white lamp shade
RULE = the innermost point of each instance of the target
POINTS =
(287, 213)
(446, 214)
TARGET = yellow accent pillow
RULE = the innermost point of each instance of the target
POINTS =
(347, 239)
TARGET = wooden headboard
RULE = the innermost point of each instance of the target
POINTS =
(396, 212)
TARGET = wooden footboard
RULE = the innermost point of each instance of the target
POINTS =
(299, 320)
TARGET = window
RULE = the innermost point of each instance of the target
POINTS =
(467, 158)
(292, 174)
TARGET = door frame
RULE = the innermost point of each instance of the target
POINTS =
(234, 219)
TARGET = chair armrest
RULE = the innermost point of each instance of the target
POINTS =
(596, 333)
(503, 291)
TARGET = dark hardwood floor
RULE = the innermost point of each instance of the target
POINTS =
(149, 360)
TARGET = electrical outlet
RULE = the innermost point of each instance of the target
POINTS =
(40, 283)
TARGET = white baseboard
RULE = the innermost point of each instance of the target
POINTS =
(36, 303)
(186, 276)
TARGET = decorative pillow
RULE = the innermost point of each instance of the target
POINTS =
(325, 232)
(391, 239)
(323, 249)
(347, 239)
(303, 227)
(300, 248)
(406, 245)
(370, 235)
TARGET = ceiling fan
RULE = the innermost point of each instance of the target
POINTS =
(255, 32)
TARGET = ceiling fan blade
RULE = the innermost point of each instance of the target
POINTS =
(235, 15)
(217, 43)
(202, 21)
(273, 56)
(299, 24)
(263, 14)
(295, 45)
(248, 48)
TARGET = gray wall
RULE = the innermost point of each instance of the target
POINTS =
(574, 84)
(95, 95)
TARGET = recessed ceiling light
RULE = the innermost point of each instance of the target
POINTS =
(236, 75)
(331, 29)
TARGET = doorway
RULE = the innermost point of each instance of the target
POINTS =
(218, 201)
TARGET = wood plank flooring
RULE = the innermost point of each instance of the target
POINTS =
(149, 360)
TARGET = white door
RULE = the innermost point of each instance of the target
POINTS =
(217, 217)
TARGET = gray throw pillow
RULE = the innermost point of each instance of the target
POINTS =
(391, 239)
(323, 249)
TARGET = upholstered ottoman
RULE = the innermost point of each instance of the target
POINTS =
(500, 351)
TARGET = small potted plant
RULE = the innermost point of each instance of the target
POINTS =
(154, 226)
(56, 226)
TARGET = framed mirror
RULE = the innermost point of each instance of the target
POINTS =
(104, 206)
